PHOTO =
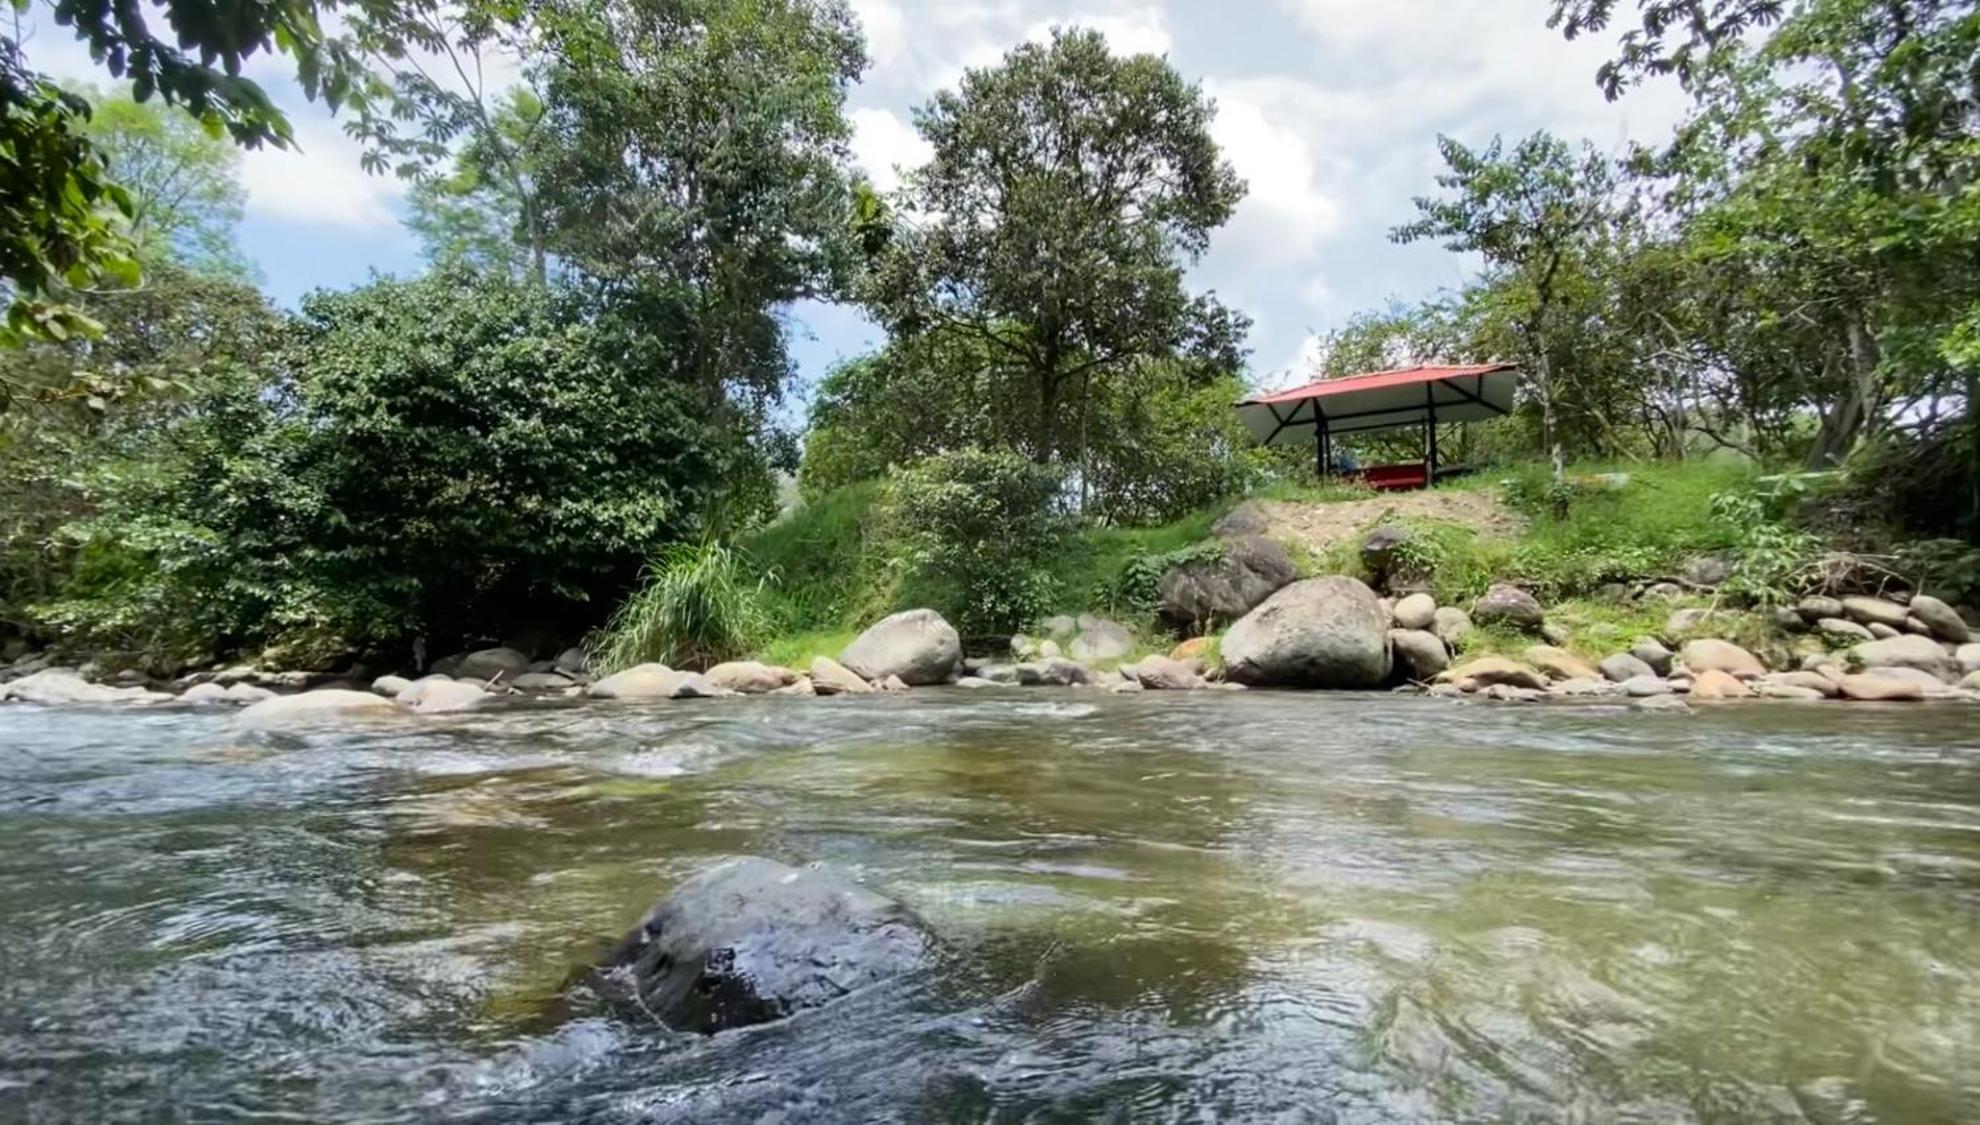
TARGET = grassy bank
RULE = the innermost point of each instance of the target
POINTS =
(834, 566)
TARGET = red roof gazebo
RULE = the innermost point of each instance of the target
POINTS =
(1412, 397)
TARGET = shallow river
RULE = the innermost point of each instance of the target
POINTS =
(1256, 908)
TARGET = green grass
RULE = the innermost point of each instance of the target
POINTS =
(698, 606)
(795, 650)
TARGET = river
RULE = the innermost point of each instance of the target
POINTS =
(1258, 907)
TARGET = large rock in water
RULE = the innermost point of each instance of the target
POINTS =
(1944, 621)
(315, 708)
(488, 663)
(751, 940)
(1922, 653)
(917, 645)
(1201, 597)
(1322, 632)
(54, 687)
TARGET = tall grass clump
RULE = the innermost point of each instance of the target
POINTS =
(698, 606)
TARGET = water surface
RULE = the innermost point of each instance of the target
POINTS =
(1250, 907)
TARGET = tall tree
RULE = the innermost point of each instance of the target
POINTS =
(184, 184)
(1528, 213)
(1068, 189)
(483, 211)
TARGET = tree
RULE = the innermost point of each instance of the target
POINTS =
(184, 184)
(57, 207)
(1067, 190)
(1528, 213)
(1676, 37)
(484, 212)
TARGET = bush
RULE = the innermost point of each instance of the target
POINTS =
(698, 607)
(978, 529)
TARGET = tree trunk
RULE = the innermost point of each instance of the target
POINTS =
(1844, 425)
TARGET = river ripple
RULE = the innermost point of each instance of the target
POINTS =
(1219, 907)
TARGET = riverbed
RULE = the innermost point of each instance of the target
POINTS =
(1246, 907)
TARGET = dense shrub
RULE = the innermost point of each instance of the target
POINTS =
(699, 605)
(977, 530)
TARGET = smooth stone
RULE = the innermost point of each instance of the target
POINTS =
(1416, 612)
(1968, 657)
(1813, 681)
(1683, 622)
(1643, 687)
(1624, 667)
(1127, 687)
(55, 687)
(246, 694)
(1419, 655)
(1582, 687)
(1560, 664)
(1511, 693)
(1709, 654)
(1883, 632)
(1906, 651)
(917, 645)
(829, 677)
(748, 677)
(1653, 652)
(1875, 611)
(1881, 689)
(573, 661)
(542, 681)
(1663, 704)
(1715, 684)
(1503, 604)
(1100, 639)
(1059, 627)
(1451, 625)
(1932, 684)
(312, 707)
(390, 686)
(1492, 671)
(490, 663)
(1944, 622)
(891, 684)
(1317, 633)
(802, 687)
(1840, 632)
(206, 695)
(442, 697)
(1789, 692)
(1050, 650)
(1814, 609)
(1159, 673)
(977, 682)
(1054, 671)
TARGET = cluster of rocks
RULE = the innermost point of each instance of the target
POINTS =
(1920, 649)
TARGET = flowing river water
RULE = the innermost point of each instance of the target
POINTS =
(1258, 907)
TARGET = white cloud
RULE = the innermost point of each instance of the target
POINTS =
(1130, 30)
(1287, 212)
(886, 29)
(320, 181)
(885, 145)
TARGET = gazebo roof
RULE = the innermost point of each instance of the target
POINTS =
(1381, 400)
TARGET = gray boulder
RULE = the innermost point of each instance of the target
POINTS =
(1813, 609)
(1387, 564)
(1322, 632)
(1944, 621)
(1968, 656)
(1053, 671)
(542, 682)
(390, 686)
(1708, 570)
(442, 697)
(1200, 598)
(1651, 651)
(1839, 632)
(1059, 627)
(1907, 651)
(1419, 655)
(1100, 639)
(573, 661)
(1242, 522)
(1509, 605)
(917, 645)
(1451, 625)
(1644, 687)
(1159, 673)
(653, 681)
(751, 940)
(1883, 632)
(1685, 621)
(206, 695)
(1417, 611)
(488, 663)
(1874, 611)
(1624, 667)
(246, 695)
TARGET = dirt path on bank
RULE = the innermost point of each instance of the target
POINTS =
(1322, 525)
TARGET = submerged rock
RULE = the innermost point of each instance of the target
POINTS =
(916, 645)
(653, 681)
(440, 697)
(751, 940)
(1322, 632)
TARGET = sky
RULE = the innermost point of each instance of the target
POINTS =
(1329, 109)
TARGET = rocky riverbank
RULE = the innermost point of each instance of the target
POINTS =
(1327, 633)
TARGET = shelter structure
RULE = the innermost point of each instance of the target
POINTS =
(1408, 398)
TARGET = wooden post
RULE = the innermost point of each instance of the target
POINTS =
(1430, 443)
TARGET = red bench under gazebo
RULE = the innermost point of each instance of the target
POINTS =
(1414, 397)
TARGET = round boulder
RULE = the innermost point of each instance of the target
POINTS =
(1710, 654)
(1874, 611)
(1509, 605)
(1322, 632)
(1100, 639)
(1159, 673)
(748, 677)
(1560, 664)
(1944, 621)
(751, 940)
(1624, 667)
(1907, 651)
(1417, 611)
(1198, 597)
(315, 707)
(916, 645)
(1452, 625)
(1419, 655)
(488, 663)
(1841, 632)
